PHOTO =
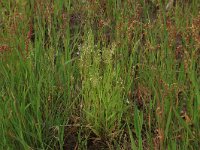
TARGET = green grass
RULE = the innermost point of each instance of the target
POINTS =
(99, 74)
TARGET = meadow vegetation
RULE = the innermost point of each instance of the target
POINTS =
(99, 74)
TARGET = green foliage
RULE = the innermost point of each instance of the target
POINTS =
(97, 74)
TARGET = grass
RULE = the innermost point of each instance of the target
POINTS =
(99, 74)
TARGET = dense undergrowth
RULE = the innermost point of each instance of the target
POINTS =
(99, 74)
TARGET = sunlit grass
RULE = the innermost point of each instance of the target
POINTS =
(99, 74)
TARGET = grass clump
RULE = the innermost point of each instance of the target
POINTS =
(102, 88)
